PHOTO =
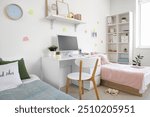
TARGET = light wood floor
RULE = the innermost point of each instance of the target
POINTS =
(90, 95)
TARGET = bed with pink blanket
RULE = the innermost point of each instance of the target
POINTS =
(126, 77)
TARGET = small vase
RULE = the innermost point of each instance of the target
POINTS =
(52, 53)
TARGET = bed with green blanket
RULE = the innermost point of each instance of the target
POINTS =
(34, 90)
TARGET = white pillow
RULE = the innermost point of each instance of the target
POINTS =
(104, 59)
(9, 76)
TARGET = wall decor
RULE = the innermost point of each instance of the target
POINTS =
(94, 34)
(25, 39)
(31, 12)
(63, 8)
(123, 20)
(70, 15)
(78, 16)
(85, 31)
(51, 7)
(124, 38)
(14, 11)
(109, 20)
(64, 29)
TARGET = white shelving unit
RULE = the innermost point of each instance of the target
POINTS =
(119, 38)
(53, 18)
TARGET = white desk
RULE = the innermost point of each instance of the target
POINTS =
(55, 70)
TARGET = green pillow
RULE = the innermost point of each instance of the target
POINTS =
(22, 68)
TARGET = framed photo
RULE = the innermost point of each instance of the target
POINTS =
(51, 7)
(109, 20)
(63, 8)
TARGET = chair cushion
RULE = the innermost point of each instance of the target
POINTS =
(75, 76)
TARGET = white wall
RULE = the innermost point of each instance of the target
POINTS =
(38, 30)
(118, 6)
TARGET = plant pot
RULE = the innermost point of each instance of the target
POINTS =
(139, 64)
(52, 53)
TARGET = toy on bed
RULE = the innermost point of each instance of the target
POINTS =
(16, 84)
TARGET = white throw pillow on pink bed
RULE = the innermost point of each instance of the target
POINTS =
(9, 76)
(104, 59)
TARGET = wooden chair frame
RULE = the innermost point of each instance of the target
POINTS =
(81, 82)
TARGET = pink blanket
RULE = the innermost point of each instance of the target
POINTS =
(123, 74)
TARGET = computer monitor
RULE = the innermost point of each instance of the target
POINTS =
(67, 43)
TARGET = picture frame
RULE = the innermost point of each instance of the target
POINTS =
(51, 7)
(109, 20)
(62, 8)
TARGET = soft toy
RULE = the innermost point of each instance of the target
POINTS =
(70, 15)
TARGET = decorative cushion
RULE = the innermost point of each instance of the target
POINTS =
(22, 68)
(9, 76)
(104, 59)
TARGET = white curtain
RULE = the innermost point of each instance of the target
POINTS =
(143, 1)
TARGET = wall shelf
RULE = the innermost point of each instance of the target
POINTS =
(53, 18)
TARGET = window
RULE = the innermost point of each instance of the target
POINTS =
(144, 32)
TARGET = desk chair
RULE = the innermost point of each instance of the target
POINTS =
(81, 76)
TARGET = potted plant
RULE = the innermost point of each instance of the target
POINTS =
(53, 48)
(58, 55)
(125, 50)
(137, 60)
